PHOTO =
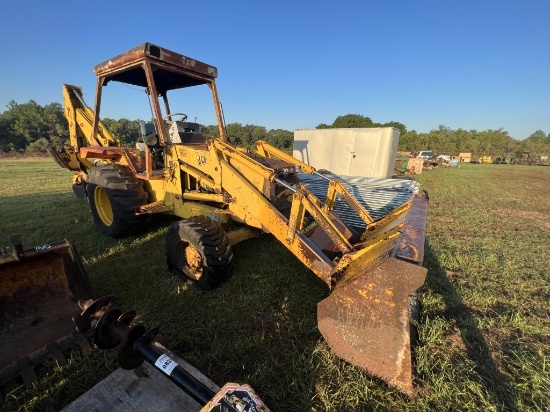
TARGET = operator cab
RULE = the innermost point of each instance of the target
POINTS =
(160, 71)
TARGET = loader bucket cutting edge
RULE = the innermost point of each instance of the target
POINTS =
(367, 322)
(39, 291)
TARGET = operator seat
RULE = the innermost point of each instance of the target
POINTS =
(149, 139)
(148, 133)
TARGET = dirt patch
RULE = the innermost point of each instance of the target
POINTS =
(454, 274)
(537, 218)
(455, 341)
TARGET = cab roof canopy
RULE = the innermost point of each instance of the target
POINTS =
(170, 70)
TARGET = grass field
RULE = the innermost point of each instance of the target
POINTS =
(484, 329)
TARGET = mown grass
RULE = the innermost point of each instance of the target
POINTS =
(484, 327)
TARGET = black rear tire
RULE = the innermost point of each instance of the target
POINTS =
(199, 249)
(114, 194)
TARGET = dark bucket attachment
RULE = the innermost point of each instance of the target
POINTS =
(367, 321)
(39, 291)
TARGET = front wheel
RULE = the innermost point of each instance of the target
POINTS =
(199, 249)
(114, 194)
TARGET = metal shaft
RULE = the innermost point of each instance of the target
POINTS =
(286, 185)
(196, 389)
(112, 328)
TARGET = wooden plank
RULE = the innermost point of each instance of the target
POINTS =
(141, 389)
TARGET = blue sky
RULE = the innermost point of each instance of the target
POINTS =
(480, 64)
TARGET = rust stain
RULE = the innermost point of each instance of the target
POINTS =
(373, 337)
(39, 288)
(410, 246)
(159, 54)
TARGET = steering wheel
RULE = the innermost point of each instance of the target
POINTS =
(183, 116)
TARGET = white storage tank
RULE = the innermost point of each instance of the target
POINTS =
(367, 152)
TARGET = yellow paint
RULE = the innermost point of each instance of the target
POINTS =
(345, 300)
(363, 293)
(389, 291)
(78, 114)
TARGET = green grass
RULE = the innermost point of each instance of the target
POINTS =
(484, 328)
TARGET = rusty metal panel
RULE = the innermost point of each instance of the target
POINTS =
(367, 321)
(39, 288)
(153, 53)
(410, 245)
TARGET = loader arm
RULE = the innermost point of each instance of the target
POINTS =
(253, 208)
(366, 319)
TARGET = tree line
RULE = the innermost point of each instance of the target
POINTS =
(448, 141)
(30, 127)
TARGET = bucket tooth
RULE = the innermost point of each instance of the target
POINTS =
(27, 371)
(56, 353)
(367, 321)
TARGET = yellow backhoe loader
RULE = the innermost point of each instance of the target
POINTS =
(370, 256)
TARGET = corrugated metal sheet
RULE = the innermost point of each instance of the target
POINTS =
(378, 196)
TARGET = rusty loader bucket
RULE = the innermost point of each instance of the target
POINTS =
(367, 319)
(39, 291)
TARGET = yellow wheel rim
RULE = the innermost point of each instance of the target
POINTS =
(194, 262)
(103, 206)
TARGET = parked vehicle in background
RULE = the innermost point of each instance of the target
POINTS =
(505, 160)
(426, 154)
(430, 158)
(524, 158)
